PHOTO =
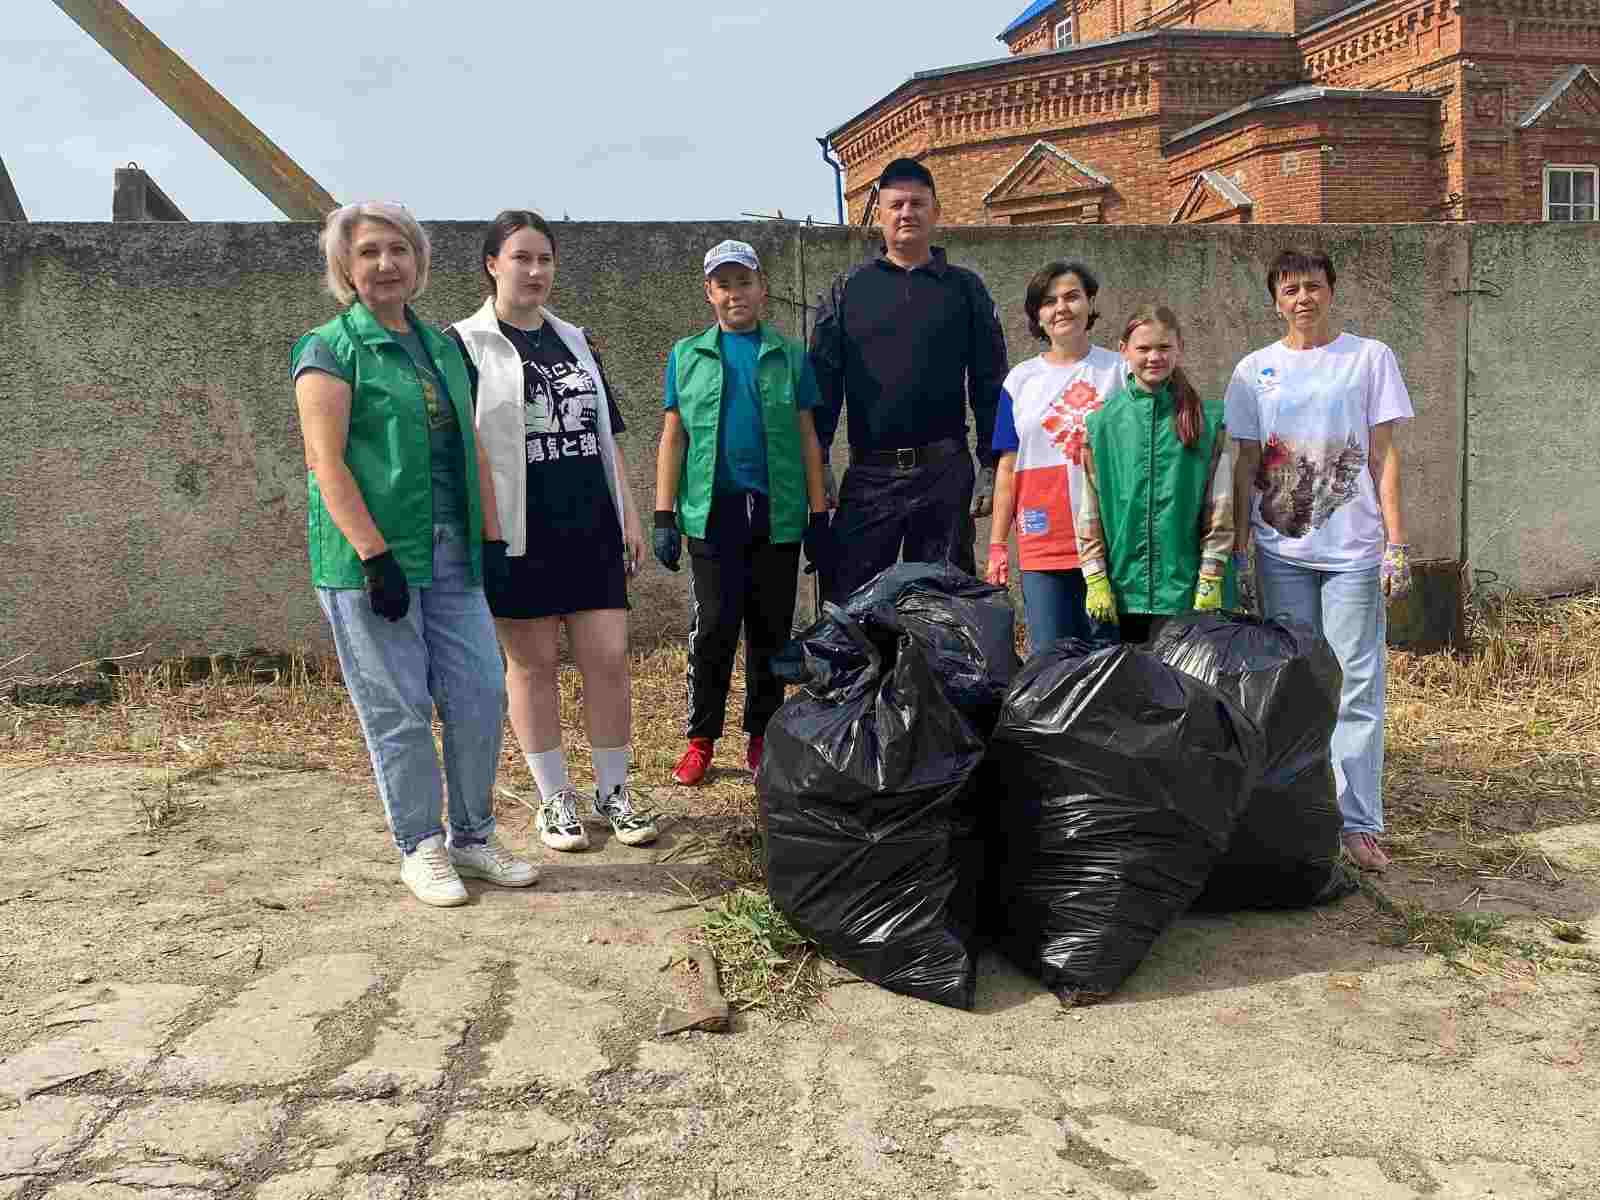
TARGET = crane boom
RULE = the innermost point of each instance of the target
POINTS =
(201, 107)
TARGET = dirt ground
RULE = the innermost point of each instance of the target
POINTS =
(212, 984)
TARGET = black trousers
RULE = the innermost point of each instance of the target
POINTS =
(924, 512)
(740, 579)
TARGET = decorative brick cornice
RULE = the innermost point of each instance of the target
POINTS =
(1381, 33)
(1093, 84)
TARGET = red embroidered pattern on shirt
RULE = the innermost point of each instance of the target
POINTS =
(1065, 422)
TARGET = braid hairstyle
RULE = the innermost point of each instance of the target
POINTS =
(1187, 417)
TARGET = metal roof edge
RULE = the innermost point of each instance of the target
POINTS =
(1300, 94)
(1557, 89)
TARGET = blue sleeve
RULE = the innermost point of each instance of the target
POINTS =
(827, 363)
(806, 396)
(669, 390)
(1005, 426)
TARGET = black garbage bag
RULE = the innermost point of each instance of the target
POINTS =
(1124, 779)
(1285, 852)
(870, 838)
(965, 628)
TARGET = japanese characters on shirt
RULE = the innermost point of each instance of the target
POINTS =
(1043, 418)
(1314, 501)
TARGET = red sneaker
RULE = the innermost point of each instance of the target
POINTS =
(696, 760)
(752, 756)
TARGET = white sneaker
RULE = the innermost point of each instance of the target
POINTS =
(428, 872)
(558, 823)
(493, 862)
(632, 827)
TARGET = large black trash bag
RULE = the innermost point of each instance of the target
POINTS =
(1285, 853)
(1123, 781)
(965, 628)
(871, 849)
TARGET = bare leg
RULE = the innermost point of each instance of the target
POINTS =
(600, 646)
(532, 660)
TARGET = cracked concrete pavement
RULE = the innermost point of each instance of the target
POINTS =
(248, 1004)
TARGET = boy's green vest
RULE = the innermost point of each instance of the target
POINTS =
(699, 387)
(388, 449)
(1153, 494)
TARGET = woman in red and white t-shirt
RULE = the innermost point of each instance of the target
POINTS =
(1039, 437)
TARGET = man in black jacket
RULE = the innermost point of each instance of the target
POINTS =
(910, 341)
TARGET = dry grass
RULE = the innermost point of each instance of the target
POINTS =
(1483, 748)
(1497, 742)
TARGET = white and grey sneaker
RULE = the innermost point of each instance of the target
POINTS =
(633, 828)
(493, 862)
(558, 823)
(431, 876)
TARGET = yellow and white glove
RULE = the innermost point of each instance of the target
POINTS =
(1395, 573)
(1208, 594)
(1099, 603)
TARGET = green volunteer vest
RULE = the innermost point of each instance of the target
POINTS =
(1153, 493)
(699, 385)
(388, 450)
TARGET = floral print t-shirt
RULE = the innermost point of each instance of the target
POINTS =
(1314, 501)
(1041, 420)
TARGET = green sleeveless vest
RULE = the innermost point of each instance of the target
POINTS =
(388, 450)
(1152, 496)
(699, 386)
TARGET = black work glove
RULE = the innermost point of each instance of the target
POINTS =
(386, 586)
(668, 541)
(496, 569)
(819, 543)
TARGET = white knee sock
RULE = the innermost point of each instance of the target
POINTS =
(549, 769)
(610, 767)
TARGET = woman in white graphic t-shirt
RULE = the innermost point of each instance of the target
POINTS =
(1317, 467)
(1039, 433)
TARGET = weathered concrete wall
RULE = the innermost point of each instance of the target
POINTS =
(153, 489)
(1533, 406)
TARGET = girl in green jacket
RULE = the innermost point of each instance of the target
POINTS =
(1155, 518)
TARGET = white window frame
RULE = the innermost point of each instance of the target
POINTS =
(1590, 169)
(1063, 33)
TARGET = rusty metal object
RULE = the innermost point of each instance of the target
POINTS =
(712, 1014)
(202, 108)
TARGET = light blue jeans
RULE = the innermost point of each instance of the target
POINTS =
(1347, 609)
(442, 652)
(1053, 603)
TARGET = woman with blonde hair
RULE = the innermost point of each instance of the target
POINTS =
(403, 528)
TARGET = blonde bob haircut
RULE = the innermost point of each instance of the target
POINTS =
(339, 232)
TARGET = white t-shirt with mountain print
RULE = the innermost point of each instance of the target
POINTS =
(1314, 502)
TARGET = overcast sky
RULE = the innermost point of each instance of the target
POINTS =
(618, 110)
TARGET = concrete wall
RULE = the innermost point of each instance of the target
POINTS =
(152, 491)
(1533, 407)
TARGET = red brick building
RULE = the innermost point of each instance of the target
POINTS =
(1123, 111)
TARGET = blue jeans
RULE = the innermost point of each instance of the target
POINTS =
(1052, 603)
(442, 652)
(1347, 609)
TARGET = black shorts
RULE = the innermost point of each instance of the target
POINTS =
(552, 580)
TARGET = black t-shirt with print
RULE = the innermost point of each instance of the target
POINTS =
(568, 498)
(572, 519)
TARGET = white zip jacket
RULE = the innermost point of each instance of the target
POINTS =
(502, 428)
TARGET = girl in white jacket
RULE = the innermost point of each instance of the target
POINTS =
(548, 423)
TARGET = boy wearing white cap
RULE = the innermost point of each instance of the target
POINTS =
(739, 473)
